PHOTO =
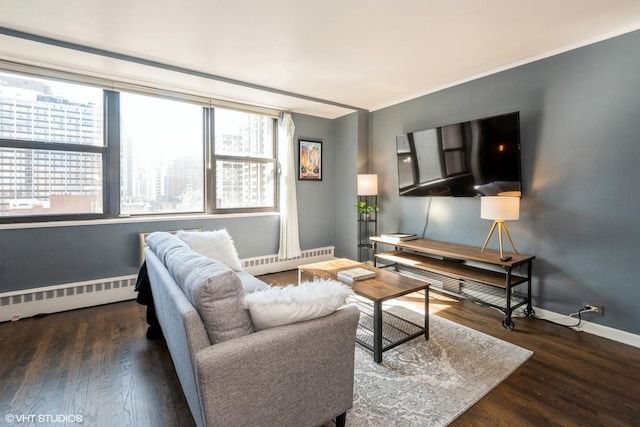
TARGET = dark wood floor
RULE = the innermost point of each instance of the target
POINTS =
(97, 363)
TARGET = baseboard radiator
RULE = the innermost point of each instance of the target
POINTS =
(272, 263)
(52, 299)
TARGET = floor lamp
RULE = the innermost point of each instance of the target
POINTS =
(368, 195)
(500, 209)
(367, 185)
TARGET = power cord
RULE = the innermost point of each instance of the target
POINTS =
(585, 309)
(426, 222)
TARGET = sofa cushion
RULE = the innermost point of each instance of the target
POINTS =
(277, 306)
(213, 288)
(250, 283)
(215, 244)
(161, 243)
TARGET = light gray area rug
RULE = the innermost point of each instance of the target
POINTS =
(430, 383)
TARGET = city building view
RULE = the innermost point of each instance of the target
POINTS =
(52, 146)
(161, 155)
(245, 160)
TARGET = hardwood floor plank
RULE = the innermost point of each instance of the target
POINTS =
(573, 378)
(97, 363)
(93, 362)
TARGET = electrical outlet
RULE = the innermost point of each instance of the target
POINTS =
(598, 309)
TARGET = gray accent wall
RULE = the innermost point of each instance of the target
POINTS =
(37, 257)
(315, 198)
(580, 138)
(347, 130)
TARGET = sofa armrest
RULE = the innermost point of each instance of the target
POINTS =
(299, 374)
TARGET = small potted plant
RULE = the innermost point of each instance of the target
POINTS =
(365, 209)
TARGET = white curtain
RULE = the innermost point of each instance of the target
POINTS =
(289, 238)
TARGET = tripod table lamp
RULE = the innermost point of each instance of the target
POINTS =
(500, 209)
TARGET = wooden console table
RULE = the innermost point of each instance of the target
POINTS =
(464, 271)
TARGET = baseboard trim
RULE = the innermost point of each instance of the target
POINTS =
(564, 320)
(590, 327)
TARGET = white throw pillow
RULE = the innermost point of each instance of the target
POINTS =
(215, 244)
(280, 306)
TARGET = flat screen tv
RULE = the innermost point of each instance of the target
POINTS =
(475, 158)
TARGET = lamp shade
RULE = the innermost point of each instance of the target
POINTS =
(500, 208)
(368, 185)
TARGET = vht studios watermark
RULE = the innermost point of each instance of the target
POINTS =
(43, 418)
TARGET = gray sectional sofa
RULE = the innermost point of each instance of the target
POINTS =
(299, 374)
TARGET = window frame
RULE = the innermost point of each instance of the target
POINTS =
(103, 150)
(204, 145)
(211, 197)
(110, 150)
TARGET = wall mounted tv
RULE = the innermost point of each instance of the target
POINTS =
(475, 158)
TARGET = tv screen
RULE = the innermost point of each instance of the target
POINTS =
(475, 158)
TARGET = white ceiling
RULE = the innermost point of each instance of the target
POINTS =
(351, 53)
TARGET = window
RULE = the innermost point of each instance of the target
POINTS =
(70, 149)
(245, 164)
(48, 166)
(161, 155)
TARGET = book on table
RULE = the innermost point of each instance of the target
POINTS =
(398, 237)
(357, 273)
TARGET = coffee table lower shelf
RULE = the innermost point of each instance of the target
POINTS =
(395, 330)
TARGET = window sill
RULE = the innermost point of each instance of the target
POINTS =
(130, 219)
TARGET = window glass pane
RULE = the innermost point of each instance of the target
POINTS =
(241, 140)
(47, 182)
(244, 184)
(161, 155)
(39, 181)
(243, 134)
(34, 109)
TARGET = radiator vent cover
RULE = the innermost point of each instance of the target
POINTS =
(70, 296)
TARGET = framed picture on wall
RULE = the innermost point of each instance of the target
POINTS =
(310, 160)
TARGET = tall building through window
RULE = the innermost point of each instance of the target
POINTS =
(245, 161)
(161, 155)
(51, 147)
(60, 152)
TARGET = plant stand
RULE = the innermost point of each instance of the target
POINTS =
(367, 227)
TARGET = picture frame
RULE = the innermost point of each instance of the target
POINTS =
(309, 160)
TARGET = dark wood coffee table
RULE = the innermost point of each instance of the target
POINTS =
(389, 330)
